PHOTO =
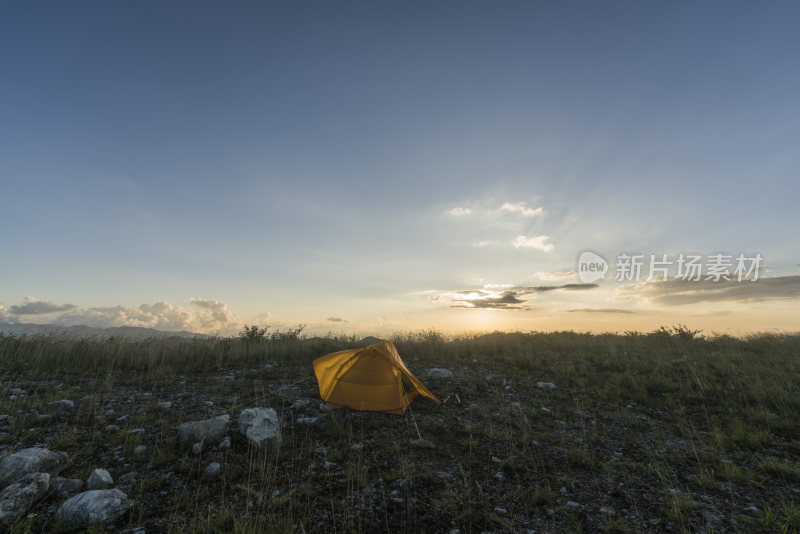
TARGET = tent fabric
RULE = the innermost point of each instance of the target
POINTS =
(372, 378)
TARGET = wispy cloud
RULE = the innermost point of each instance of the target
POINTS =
(556, 275)
(490, 209)
(521, 208)
(598, 310)
(337, 320)
(538, 242)
(33, 306)
(459, 212)
(677, 292)
(500, 296)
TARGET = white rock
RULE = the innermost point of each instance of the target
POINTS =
(260, 426)
(209, 429)
(213, 469)
(308, 421)
(99, 479)
(297, 404)
(63, 404)
(28, 461)
(225, 443)
(17, 498)
(440, 374)
(545, 385)
(139, 450)
(94, 506)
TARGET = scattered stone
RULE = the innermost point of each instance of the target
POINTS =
(545, 385)
(608, 510)
(496, 460)
(712, 520)
(128, 478)
(134, 530)
(329, 465)
(94, 506)
(135, 431)
(678, 361)
(499, 476)
(28, 461)
(402, 483)
(500, 511)
(563, 491)
(122, 418)
(299, 403)
(17, 498)
(438, 373)
(516, 406)
(166, 405)
(357, 447)
(423, 443)
(197, 448)
(229, 378)
(308, 421)
(99, 479)
(260, 426)
(573, 504)
(62, 405)
(225, 443)
(110, 412)
(209, 429)
(18, 391)
(323, 408)
(774, 416)
(66, 487)
(139, 450)
(213, 469)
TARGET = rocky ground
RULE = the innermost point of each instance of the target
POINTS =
(251, 449)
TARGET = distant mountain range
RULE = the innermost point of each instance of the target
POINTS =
(80, 331)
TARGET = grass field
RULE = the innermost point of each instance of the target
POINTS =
(666, 431)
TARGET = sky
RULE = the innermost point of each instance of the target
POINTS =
(380, 167)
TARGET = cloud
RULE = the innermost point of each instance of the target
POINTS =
(459, 212)
(33, 306)
(519, 207)
(498, 297)
(536, 242)
(677, 292)
(484, 209)
(205, 315)
(598, 310)
(557, 275)
(337, 320)
(213, 312)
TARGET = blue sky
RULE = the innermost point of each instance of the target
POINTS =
(199, 165)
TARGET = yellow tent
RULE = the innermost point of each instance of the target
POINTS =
(372, 378)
